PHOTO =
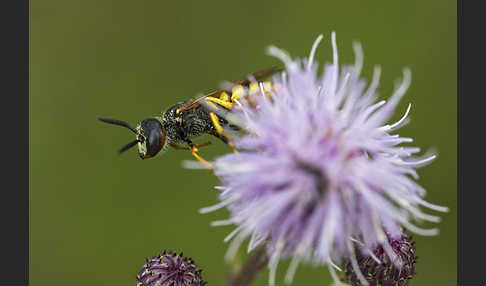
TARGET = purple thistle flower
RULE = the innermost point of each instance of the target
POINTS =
(170, 269)
(379, 270)
(320, 175)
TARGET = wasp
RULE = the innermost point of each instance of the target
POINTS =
(186, 120)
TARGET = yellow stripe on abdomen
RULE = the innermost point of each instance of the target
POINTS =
(238, 92)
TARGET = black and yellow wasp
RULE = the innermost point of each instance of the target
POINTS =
(192, 118)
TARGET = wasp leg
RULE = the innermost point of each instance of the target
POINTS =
(194, 151)
(195, 148)
(178, 147)
(220, 137)
(221, 132)
(223, 103)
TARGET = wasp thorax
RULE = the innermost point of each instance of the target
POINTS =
(151, 138)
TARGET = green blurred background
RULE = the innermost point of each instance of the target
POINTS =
(95, 216)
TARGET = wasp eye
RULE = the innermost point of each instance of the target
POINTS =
(153, 137)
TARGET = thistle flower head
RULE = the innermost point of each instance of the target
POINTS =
(320, 174)
(170, 269)
(378, 269)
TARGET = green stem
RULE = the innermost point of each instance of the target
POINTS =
(257, 261)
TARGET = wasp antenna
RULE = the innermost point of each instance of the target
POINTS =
(118, 122)
(128, 146)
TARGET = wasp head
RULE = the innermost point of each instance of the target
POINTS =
(150, 136)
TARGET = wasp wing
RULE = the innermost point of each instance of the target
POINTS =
(191, 104)
(257, 76)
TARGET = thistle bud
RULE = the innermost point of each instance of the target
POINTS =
(169, 268)
(387, 272)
